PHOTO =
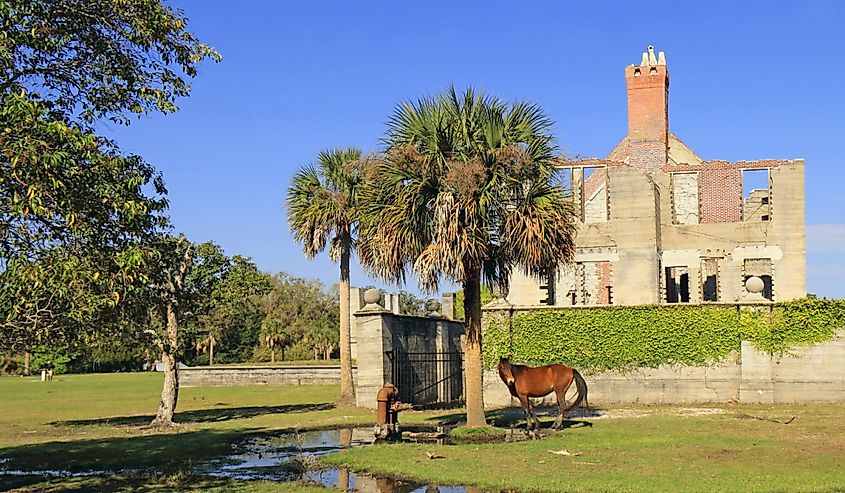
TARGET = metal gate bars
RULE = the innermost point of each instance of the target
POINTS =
(428, 378)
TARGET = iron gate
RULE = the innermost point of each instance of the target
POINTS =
(428, 378)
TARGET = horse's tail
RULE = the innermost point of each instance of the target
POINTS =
(581, 387)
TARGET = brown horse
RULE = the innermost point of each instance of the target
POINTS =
(524, 382)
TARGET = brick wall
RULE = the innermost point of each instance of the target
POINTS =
(721, 196)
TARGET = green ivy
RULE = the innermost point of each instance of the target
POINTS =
(628, 337)
(486, 297)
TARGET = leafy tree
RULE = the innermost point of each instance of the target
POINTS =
(74, 219)
(464, 193)
(236, 315)
(185, 279)
(322, 209)
(322, 339)
(410, 304)
(293, 308)
(99, 58)
(76, 216)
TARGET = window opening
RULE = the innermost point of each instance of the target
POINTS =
(762, 268)
(756, 195)
(710, 279)
(677, 285)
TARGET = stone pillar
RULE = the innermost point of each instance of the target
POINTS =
(448, 306)
(355, 303)
(390, 302)
(374, 341)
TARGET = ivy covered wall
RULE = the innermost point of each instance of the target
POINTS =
(628, 337)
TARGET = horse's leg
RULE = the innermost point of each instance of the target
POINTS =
(561, 402)
(560, 392)
(526, 406)
(531, 415)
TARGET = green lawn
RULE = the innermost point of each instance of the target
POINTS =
(85, 422)
(658, 450)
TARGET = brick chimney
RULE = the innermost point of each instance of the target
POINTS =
(648, 111)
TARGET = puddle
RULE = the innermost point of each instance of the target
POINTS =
(292, 457)
(284, 458)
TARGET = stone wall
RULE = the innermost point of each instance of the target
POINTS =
(380, 331)
(208, 376)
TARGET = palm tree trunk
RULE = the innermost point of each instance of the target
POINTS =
(472, 352)
(347, 391)
(26, 359)
(211, 350)
(272, 355)
(170, 390)
(283, 352)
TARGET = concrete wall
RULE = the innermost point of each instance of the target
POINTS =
(809, 374)
(208, 376)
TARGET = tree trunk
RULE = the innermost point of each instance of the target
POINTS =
(472, 352)
(272, 355)
(347, 391)
(283, 353)
(26, 362)
(210, 350)
(170, 390)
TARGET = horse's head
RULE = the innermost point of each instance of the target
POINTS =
(506, 371)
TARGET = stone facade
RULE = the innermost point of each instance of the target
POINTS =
(659, 221)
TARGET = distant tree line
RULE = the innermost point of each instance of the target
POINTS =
(251, 316)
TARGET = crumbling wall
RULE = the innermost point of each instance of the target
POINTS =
(685, 198)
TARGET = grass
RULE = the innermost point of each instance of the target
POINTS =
(655, 450)
(477, 434)
(98, 422)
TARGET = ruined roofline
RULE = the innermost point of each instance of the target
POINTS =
(589, 162)
(722, 164)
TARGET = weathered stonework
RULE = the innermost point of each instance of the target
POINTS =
(653, 195)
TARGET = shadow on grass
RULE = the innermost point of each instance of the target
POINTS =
(161, 452)
(142, 484)
(203, 415)
(514, 417)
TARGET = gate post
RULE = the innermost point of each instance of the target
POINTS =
(372, 324)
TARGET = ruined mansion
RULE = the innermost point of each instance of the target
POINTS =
(657, 224)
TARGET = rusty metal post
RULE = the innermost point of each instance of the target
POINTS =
(387, 411)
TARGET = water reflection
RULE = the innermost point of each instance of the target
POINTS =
(291, 457)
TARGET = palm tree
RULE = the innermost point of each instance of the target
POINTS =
(207, 343)
(464, 193)
(274, 335)
(322, 209)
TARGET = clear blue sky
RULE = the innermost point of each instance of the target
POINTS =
(750, 80)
